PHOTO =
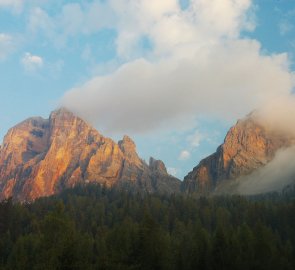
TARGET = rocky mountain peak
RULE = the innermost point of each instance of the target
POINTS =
(157, 165)
(40, 157)
(128, 147)
(248, 145)
(61, 112)
(63, 118)
(24, 141)
(127, 144)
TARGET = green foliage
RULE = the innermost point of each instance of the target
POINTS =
(91, 227)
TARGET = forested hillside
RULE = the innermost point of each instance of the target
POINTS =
(92, 227)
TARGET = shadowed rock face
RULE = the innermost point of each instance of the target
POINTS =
(40, 157)
(247, 146)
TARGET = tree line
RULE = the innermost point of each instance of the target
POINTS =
(92, 227)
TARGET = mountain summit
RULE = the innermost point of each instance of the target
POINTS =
(40, 157)
(248, 146)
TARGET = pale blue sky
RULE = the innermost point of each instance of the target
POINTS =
(48, 48)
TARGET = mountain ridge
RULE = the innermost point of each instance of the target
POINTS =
(248, 145)
(40, 157)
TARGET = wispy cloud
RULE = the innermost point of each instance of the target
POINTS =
(184, 155)
(74, 19)
(285, 27)
(173, 171)
(6, 45)
(276, 175)
(195, 139)
(15, 5)
(31, 63)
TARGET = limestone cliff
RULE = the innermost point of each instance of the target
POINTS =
(247, 146)
(40, 157)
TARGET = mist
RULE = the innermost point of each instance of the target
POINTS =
(279, 115)
(274, 176)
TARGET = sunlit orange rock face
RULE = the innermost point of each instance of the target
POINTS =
(40, 157)
(247, 146)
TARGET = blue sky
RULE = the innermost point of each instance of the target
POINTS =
(172, 75)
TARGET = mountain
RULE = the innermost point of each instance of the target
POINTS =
(248, 146)
(41, 157)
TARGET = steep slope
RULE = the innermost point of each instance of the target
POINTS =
(40, 157)
(248, 145)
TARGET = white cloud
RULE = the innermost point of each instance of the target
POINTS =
(227, 82)
(31, 63)
(74, 19)
(6, 45)
(16, 5)
(184, 155)
(169, 26)
(278, 115)
(198, 64)
(195, 139)
(173, 171)
(40, 20)
(285, 27)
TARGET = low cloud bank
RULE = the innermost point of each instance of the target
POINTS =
(279, 115)
(274, 176)
(197, 63)
(227, 82)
